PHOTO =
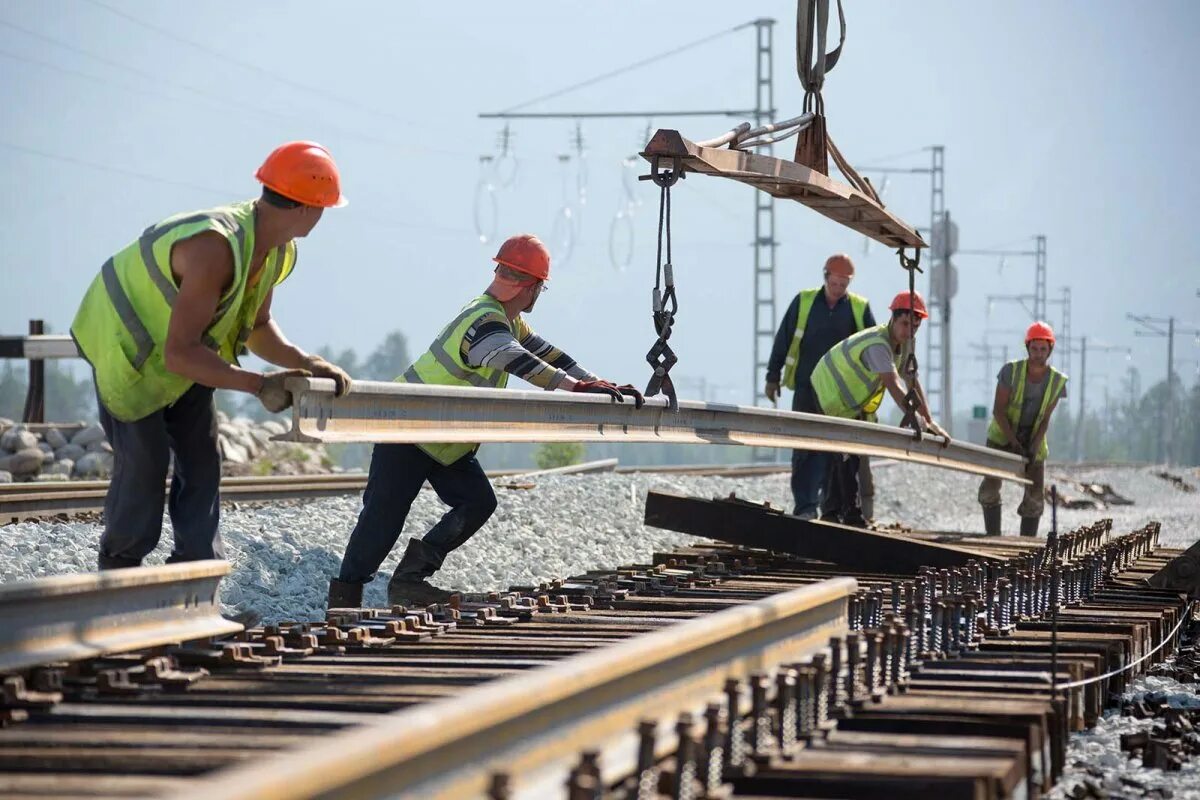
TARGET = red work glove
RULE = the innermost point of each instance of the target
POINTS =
(599, 387)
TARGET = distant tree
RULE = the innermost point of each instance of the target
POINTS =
(389, 360)
(558, 454)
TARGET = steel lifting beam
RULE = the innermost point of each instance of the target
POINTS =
(38, 347)
(788, 180)
(754, 525)
(69, 617)
(398, 412)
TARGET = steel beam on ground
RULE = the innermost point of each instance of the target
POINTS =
(788, 180)
(68, 617)
(755, 525)
(532, 727)
(38, 347)
(400, 412)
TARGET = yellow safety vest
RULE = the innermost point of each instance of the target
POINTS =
(1020, 372)
(444, 364)
(858, 306)
(843, 385)
(121, 325)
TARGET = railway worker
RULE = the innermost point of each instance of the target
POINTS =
(162, 326)
(1027, 392)
(486, 342)
(816, 320)
(850, 380)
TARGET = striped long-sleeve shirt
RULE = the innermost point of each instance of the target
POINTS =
(492, 342)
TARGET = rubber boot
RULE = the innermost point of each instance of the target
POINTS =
(1029, 526)
(344, 595)
(408, 586)
(991, 520)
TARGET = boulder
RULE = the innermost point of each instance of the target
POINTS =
(94, 465)
(233, 452)
(101, 446)
(61, 468)
(92, 433)
(274, 427)
(5, 422)
(47, 454)
(5, 476)
(16, 439)
(23, 462)
(54, 437)
(45, 448)
(69, 452)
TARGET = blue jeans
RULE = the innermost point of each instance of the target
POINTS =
(810, 468)
(142, 451)
(398, 471)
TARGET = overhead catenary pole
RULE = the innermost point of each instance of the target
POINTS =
(1151, 326)
(1077, 446)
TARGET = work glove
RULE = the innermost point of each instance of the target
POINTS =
(772, 390)
(272, 395)
(629, 390)
(321, 368)
(599, 387)
(938, 430)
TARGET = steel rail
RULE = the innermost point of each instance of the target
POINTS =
(399, 412)
(533, 726)
(68, 617)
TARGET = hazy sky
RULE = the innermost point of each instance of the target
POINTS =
(1073, 119)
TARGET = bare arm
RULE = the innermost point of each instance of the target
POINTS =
(203, 267)
(895, 387)
(268, 342)
(1000, 413)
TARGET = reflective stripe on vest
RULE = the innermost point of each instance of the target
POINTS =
(844, 387)
(443, 365)
(1057, 382)
(122, 322)
(858, 307)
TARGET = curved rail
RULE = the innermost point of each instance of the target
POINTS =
(398, 412)
(68, 617)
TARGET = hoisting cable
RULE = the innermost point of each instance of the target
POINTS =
(912, 401)
(665, 304)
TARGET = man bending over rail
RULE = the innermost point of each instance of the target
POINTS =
(487, 341)
(850, 380)
(163, 325)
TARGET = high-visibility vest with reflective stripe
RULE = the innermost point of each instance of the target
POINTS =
(1020, 374)
(858, 306)
(843, 385)
(444, 364)
(121, 325)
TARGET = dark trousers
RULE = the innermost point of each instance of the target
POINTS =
(398, 471)
(142, 451)
(842, 502)
(810, 468)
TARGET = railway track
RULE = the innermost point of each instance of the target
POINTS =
(40, 500)
(714, 671)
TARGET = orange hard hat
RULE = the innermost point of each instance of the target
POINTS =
(904, 302)
(840, 264)
(1039, 330)
(525, 253)
(304, 172)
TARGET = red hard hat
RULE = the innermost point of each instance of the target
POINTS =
(840, 264)
(304, 172)
(1039, 330)
(904, 302)
(525, 253)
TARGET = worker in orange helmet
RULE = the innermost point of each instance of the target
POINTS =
(1027, 392)
(817, 319)
(163, 325)
(850, 380)
(486, 342)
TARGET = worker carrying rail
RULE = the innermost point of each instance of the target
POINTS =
(1027, 392)
(850, 379)
(487, 341)
(817, 320)
(162, 326)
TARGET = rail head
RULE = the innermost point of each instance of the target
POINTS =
(533, 726)
(376, 411)
(70, 617)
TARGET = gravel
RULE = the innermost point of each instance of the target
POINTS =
(283, 554)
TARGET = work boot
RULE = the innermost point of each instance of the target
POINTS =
(1029, 526)
(408, 586)
(345, 595)
(991, 520)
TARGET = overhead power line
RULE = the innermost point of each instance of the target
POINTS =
(275, 76)
(620, 70)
